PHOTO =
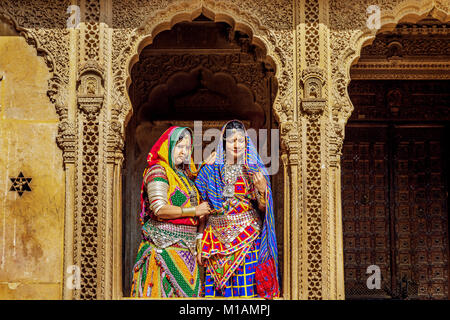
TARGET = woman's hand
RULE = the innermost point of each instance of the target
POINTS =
(260, 182)
(200, 260)
(202, 210)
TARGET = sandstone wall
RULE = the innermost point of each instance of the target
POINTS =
(31, 225)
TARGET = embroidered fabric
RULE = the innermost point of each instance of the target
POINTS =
(164, 234)
(227, 227)
(191, 187)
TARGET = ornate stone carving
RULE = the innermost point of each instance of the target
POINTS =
(291, 134)
(128, 41)
(349, 33)
(90, 95)
(45, 29)
(90, 89)
(157, 69)
(410, 51)
(92, 11)
(90, 82)
(313, 103)
(66, 140)
(313, 82)
(115, 141)
(313, 198)
(312, 32)
(270, 25)
(335, 141)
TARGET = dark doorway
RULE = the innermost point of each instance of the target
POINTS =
(395, 189)
(199, 70)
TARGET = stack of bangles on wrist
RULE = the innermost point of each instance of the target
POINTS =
(188, 212)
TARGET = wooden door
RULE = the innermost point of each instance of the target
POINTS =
(419, 210)
(395, 215)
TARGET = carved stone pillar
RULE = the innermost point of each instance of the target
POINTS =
(114, 154)
(321, 261)
(67, 141)
(97, 155)
(89, 219)
(292, 232)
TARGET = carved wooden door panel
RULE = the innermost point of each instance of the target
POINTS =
(366, 224)
(395, 212)
(420, 212)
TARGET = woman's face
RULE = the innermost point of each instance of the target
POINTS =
(182, 150)
(235, 144)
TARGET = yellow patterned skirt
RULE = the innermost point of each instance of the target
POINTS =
(168, 272)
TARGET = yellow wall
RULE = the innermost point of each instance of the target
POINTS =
(31, 226)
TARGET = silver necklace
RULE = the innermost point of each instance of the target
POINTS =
(231, 173)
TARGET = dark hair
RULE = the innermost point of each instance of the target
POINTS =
(230, 126)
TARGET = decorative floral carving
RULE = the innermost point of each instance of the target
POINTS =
(66, 139)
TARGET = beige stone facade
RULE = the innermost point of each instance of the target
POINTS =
(65, 106)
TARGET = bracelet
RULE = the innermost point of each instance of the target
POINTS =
(199, 245)
(188, 212)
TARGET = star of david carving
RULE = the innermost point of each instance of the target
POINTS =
(20, 184)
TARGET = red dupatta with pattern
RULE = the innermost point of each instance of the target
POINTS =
(178, 194)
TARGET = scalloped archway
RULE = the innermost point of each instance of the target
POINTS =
(408, 11)
(187, 11)
(135, 60)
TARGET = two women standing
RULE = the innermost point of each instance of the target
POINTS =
(238, 245)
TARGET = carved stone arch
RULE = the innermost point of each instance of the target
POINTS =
(348, 37)
(274, 50)
(349, 33)
(407, 11)
(186, 11)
